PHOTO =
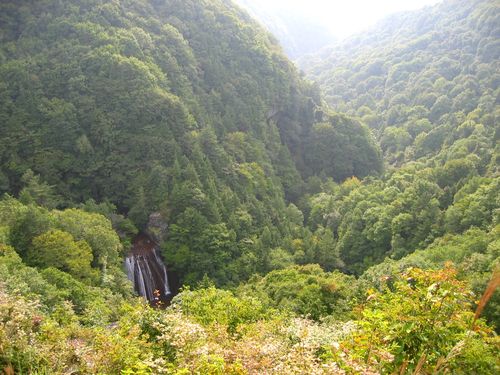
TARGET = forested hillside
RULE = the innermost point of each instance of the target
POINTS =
(361, 236)
(186, 108)
(424, 81)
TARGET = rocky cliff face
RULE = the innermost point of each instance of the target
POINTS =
(157, 227)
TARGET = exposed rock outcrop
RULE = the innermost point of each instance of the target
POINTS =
(157, 227)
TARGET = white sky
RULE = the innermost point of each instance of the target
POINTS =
(345, 17)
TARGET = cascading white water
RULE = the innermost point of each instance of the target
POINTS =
(146, 270)
(166, 287)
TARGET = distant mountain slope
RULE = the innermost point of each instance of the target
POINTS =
(297, 33)
(424, 81)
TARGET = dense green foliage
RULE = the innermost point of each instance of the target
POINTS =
(53, 323)
(421, 319)
(426, 85)
(80, 243)
(405, 212)
(186, 108)
(212, 331)
(424, 81)
(304, 290)
(113, 110)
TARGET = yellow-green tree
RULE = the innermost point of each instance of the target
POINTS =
(58, 249)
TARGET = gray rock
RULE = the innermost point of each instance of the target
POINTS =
(157, 227)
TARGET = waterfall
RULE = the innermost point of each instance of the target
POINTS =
(146, 270)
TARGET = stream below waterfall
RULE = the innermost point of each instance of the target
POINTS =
(146, 269)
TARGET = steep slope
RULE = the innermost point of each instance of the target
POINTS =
(99, 82)
(184, 107)
(424, 80)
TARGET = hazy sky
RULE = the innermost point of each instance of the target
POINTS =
(344, 17)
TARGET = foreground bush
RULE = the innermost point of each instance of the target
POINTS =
(421, 321)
